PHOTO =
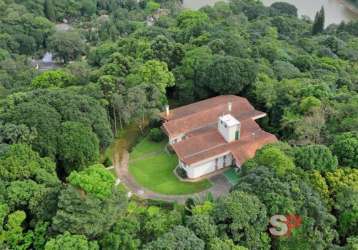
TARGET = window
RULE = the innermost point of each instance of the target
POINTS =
(237, 135)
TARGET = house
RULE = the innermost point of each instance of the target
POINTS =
(210, 135)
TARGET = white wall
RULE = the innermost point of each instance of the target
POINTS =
(207, 167)
(202, 169)
(228, 132)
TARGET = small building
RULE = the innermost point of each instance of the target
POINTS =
(213, 134)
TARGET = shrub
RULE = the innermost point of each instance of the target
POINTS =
(156, 135)
(182, 173)
(107, 162)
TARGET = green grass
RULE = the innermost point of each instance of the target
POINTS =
(232, 176)
(146, 147)
(152, 167)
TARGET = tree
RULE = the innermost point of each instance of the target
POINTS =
(291, 194)
(347, 207)
(80, 71)
(179, 238)
(154, 73)
(143, 102)
(230, 43)
(192, 24)
(97, 56)
(341, 179)
(310, 104)
(157, 222)
(12, 235)
(67, 45)
(27, 44)
(46, 110)
(78, 146)
(228, 75)
(93, 180)
(315, 157)
(274, 158)
(352, 243)
(29, 181)
(166, 51)
(318, 23)
(49, 10)
(283, 8)
(242, 217)
(117, 65)
(51, 79)
(188, 75)
(12, 134)
(45, 119)
(40, 235)
(219, 244)
(20, 162)
(303, 62)
(285, 70)
(203, 226)
(66, 241)
(124, 235)
(345, 146)
(83, 200)
(319, 184)
(156, 135)
(308, 129)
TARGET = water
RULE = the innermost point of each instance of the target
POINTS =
(336, 12)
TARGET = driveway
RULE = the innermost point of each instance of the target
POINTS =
(220, 185)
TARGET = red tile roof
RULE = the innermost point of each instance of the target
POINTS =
(204, 113)
(198, 122)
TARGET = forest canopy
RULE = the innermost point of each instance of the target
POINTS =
(117, 63)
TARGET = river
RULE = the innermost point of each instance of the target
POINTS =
(336, 12)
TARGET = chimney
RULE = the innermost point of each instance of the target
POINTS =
(229, 107)
(167, 110)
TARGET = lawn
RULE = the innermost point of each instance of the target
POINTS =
(152, 167)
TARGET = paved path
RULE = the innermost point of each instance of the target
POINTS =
(220, 184)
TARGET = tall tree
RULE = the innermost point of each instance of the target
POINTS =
(49, 9)
(318, 23)
(78, 146)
